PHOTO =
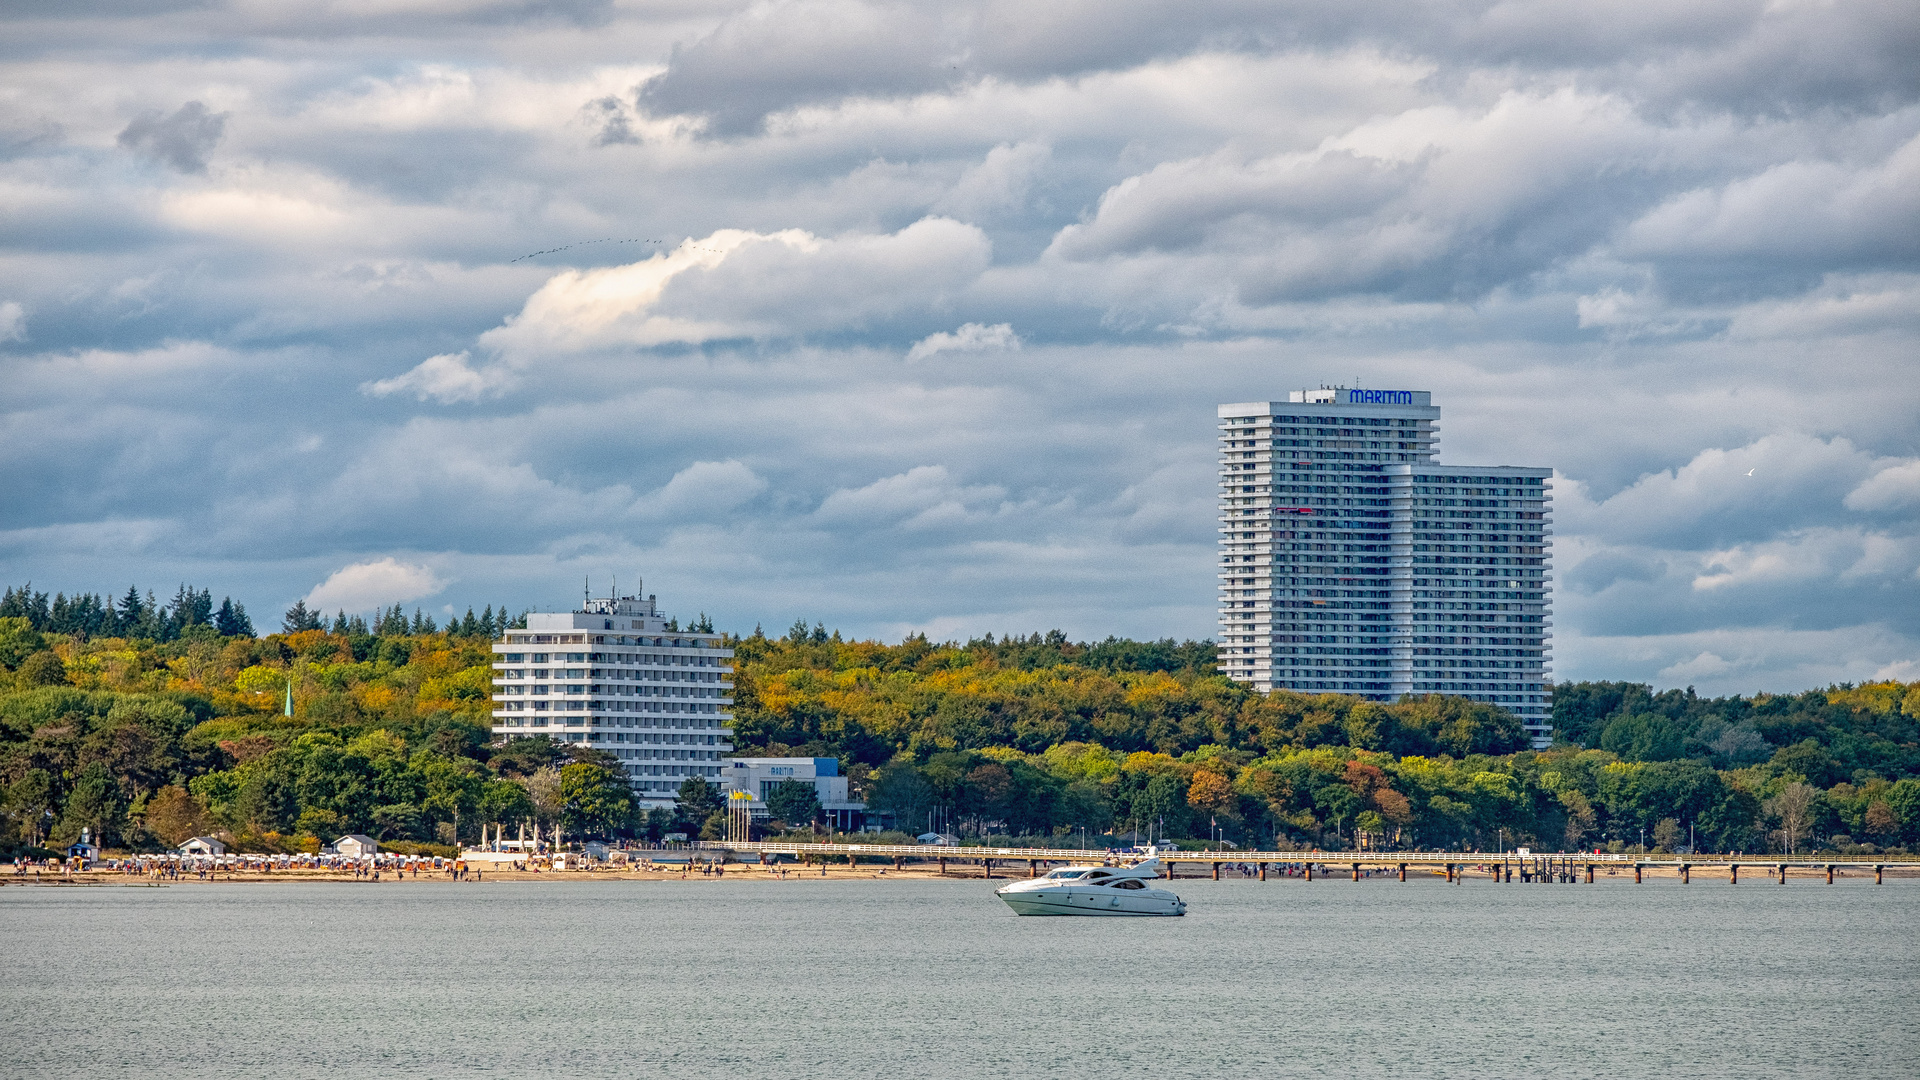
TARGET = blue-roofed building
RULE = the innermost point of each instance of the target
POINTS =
(757, 777)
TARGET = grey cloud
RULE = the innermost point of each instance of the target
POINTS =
(1742, 55)
(1599, 572)
(610, 115)
(1653, 245)
(182, 139)
(1729, 496)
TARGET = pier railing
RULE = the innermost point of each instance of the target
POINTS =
(970, 853)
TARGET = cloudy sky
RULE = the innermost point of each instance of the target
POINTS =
(910, 317)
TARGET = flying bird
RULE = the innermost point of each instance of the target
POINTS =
(583, 243)
(1750, 471)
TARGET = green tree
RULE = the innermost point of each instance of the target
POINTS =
(94, 803)
(599, 801)
(503, 802)
(694, 803)
(174, 816)
(298, 618)
(18, 641)
(43, 668)
(897, 788)
(30, 800)
(794, 802)
(1643, 737)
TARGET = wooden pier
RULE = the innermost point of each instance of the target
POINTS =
(1456, 866)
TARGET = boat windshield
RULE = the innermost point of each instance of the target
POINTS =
(1066, 873)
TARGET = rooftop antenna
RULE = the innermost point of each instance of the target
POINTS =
(587, 589)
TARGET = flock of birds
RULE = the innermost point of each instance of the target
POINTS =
(607, 240)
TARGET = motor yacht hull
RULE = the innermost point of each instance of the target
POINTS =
(1092, 902)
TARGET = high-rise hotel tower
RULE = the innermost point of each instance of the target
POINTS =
(1351, 562)
(618, 677)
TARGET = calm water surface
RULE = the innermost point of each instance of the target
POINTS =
(938, 979)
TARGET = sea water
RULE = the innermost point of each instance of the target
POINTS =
(936, 978)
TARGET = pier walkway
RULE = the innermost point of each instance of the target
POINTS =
(1559, 867)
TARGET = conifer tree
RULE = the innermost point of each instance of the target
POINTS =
(298, 618)
(231, 620)
(131, 615)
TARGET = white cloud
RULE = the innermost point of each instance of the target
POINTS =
(741, 284)
(364, 586)
(1001, 183)
(1773, 483)
(922, 496)
(1892, 488)
(1741, 659)
(970, 337)
(13, 321)
(1688, 672)
(446, 378)
(702, 487)
(1843, 305)
(1795, 208)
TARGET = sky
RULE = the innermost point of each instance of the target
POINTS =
(913, 317)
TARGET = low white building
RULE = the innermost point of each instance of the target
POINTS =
(202, 845)
(356, 846)
(614, 677)
(758, 777)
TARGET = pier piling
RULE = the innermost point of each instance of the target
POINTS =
(1403, 871)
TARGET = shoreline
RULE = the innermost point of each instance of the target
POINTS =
(1703, 874)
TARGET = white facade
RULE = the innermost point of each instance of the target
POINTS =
(758, 776)
(612, 676)
(356, 846)
(1351, 563)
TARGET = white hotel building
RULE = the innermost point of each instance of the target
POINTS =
(612, 675)
(1351, 562)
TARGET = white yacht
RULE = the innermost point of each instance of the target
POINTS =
(1094, 890)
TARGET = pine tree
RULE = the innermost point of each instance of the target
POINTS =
(154, 627)
(132, 613)
(340, 622)
(298, 618)
(231, 620)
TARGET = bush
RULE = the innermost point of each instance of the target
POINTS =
(416, 847)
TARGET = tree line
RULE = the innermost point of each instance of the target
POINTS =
(142, 736)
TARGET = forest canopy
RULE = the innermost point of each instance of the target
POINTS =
(155, 724)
